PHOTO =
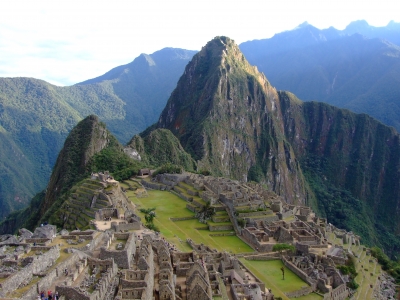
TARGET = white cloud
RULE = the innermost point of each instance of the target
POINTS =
(65, 42)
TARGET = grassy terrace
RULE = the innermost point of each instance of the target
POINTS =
(130, 183)
(368, 273)
(188, 187)
(270, 273)
(169, 206)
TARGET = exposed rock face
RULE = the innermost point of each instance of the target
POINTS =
(226, 114)
(86, 139)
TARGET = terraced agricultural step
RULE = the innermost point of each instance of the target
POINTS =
(197, 204)
(90, 214)
(221, 213)
(220, 219)
(178, 190)
(92, 186)
(86, 218)
(85, 190)
(103, 202)
(98, 206)
(80, 203)
(219, 208)
(79, 224)
(221, 227)
(74, 206)
(84, 197)
(191, 207)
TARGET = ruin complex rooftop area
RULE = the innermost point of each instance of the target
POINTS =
(124, 260)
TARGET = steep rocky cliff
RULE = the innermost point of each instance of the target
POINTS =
(86, 139)
(226, 115)
(235, 124)
(342, 151)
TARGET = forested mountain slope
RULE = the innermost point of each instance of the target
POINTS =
(35, 116)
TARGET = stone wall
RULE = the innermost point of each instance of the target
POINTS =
(302, 292)
(42, 241)
(182, 219)
(126, 226)
(123, 257)
(155, 186)
(177, 192)
(72, 293)
(340, 293)
(106, 213)
(299, 273)
(39, 265)
(274, 256)
(337, 260)
(220, 227)
(223, 234)
(47, 281)
(303, 248)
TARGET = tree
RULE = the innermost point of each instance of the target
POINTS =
(205, 213)
(149, 215)
(283, 247)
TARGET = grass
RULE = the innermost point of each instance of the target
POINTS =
(169, 206)
(364, 269)
(311, 296)
(270, 273)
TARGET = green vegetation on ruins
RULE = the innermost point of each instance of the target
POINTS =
(270, 273)
(170, 206)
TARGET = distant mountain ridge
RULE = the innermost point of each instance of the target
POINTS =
(357, 68)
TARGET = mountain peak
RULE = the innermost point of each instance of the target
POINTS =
(218, 46)
(208, 78)
(357, 27)
(303, 25)
(222, 110)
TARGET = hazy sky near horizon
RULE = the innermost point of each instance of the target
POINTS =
(65, 42)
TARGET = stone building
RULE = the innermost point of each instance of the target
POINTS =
(121, 247)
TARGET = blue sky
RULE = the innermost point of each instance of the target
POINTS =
(65, 42)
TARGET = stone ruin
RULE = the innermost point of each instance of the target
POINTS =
(116, 264)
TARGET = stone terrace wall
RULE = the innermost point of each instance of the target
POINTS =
(155, 186)
(302, 292)
(299, 273)
(220, 227)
